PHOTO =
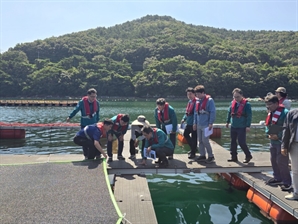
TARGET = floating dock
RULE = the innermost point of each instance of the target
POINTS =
(126, 174)
(39, 103)
(55, 193)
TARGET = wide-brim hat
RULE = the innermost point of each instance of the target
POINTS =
(141, 120)
(281, 90)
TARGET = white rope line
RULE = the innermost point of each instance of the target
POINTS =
(126, 220)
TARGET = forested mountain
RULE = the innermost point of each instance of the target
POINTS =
(152, 56)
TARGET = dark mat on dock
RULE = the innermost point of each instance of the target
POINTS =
(55, 193)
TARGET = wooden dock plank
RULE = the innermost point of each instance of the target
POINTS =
(134, 199)
(181, 163)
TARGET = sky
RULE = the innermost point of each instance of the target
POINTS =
(28, 20)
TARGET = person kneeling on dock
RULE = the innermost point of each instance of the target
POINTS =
(136, 136)
(89, 137)
(158, 141)
(119, 129)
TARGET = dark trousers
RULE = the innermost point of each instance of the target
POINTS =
(191, 137)
(120, 147)
(280, 164)
(132, 148)
(240, 135)
(162, 153)
(85, 149)
(172, 137)
(90, 150)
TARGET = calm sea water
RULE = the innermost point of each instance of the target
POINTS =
(191, 198)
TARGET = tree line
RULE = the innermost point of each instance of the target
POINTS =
(152, 56)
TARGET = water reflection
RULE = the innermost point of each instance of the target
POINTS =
(200, 198)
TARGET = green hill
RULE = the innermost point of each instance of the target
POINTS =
(152, 56)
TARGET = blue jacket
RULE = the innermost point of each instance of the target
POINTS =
(163, 140)
(279, 122)
(92, 131)
(172, 119)
(243, 121)
(290, 129)
(85, 120)
(206, 118)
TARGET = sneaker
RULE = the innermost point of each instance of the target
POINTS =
(191, 156)
(233, 160)
(247, 159)
(110, 159)
(132, 157)
(210, 159)
(286, 187)
(170, 157)
(201, 158)
(120, 158)
(273, 182)
(292, 196)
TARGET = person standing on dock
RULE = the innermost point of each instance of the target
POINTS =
(274, 124)
(281, 94)
(89, 138)
(136, 136)
(89, 107)
(166, 119)
(290, 145)
(203, 119)
(159, 142)
(119, 129)
(239, 115)
(189, 133)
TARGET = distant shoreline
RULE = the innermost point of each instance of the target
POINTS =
(118, 98)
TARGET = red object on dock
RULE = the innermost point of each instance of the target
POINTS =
(15, 133)
(216, 133)
(181, 138)
(269, 209)
(50, 125)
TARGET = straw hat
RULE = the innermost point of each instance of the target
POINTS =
(140, 121)
(281, 90)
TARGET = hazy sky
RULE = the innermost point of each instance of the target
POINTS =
(28, 20)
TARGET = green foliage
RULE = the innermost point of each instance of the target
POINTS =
(152, 56)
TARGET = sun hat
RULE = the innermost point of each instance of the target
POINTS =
(140, 121)
(281, 90)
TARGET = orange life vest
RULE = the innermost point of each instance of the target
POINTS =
(116, 125)
(102, 130)
(204, 104)
(87, 106)
(165, 118)
(190, 106)
(275, 116)
(240, 108)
